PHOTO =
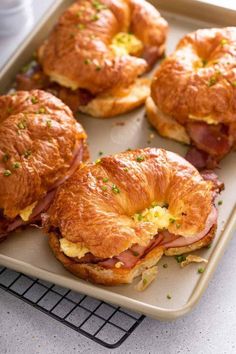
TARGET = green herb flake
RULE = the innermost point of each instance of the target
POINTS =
(140, 217)
(204, 62)
(34, 100)
(81, 26)
(115, 189)
(16, 165)
(165, 265)
(200, 270)
(9, 110)
(105, 179)
(98, 5)
(140, 158)
(126, 169)
(98, 68)
(5, 157)
(208, 246)
(48, 123)
(212, 81)
(98, 161)
(220, 202)
(180, 258)
(168, 296)
(233, 83)
(104, 188)
(100, 153)
(41, 110)
(224, 41)
(27, 153)
(6, 173)
(87, 61)
(172, 220)
(22, 125)
(145, 281)
(95, 17)
(136, 254)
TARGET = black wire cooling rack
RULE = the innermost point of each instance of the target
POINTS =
(104, 323)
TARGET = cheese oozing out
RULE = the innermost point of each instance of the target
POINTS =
(72, 249)
(126, 43)
(208, 119)
(157, 215)
(26, 212)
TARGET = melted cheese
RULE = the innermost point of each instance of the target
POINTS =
(125, 43)
(25, 213)
(72, 249)
(157, 215)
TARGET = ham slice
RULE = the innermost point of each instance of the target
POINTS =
(200, 159)
(131, 256)
(185, 241)
(45, 202)
(212, 139)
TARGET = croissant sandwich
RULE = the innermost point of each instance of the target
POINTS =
(97, 53)
(115, 218)
(193, 95)
(41, 145)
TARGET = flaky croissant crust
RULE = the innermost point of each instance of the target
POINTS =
(101, 218)
(198, 81)
(38, 139)
(77, 54)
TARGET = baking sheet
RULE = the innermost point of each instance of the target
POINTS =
(28, 251)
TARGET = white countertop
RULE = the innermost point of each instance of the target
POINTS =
(210, 328)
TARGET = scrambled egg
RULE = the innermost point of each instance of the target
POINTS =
(159, 216)
(126, 43)
(25, 213)
(208, 119)
(72, 249)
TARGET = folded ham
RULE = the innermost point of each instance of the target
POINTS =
(7, 226)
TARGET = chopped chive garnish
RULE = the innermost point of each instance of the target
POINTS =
(220, 202)
(144, 281)
(126, 169)
(34, 100)
(49, 123)
(172, 220)
(180, 258)
(16, 165)
(7, 173)
(81, 26)
(105, 179)
(98, 161)
(136, 254)
(168, 296)
(104, 188)
(22, 125)
(200, 270)
(41, 110)
(27, 153)
(5, 157)
(87, 61)
(140, 158)
(115, 189)
(212, 81)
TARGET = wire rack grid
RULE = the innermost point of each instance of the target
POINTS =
(104, 323)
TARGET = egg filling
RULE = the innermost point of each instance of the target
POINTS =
(126, 43)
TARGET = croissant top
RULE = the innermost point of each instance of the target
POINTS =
(100, 205)
(104, 45)
(198, 81)
(39, 142)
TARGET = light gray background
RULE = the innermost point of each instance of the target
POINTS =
(210, 328)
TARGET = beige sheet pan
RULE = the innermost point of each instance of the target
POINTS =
(28, 251)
